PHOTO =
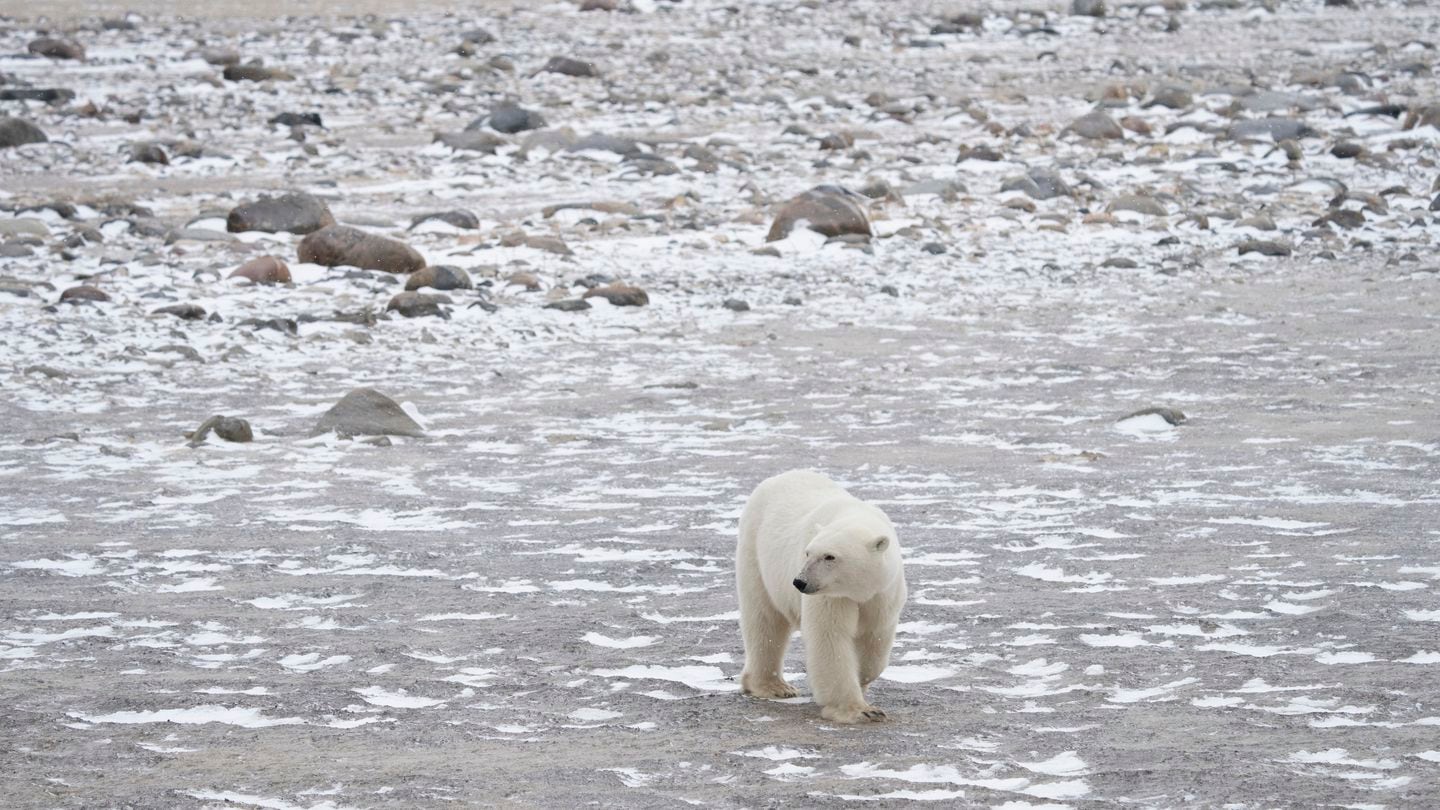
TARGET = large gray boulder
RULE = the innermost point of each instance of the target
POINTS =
(367, 412)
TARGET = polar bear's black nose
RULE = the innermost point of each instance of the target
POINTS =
(799, 584)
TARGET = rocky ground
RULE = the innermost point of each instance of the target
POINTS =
(625, 310)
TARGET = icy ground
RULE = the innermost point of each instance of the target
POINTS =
(533, 605)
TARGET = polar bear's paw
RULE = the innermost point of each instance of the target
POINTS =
(862, 713)
(772, 688)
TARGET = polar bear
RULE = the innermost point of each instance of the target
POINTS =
(801, 533)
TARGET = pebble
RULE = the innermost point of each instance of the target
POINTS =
(337, 245)
(510, 118)
(19, 132)
(367, 412)
(264, 270)
(829, 210)
(295, 212)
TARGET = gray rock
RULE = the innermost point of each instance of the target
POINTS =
(187, 312)
(829, 210)
(457, 217)
(255, 73)
(569, 305)
(419, 305)
(84, 292)
(57, 48)
(471, 140)
(1140, 204)
(1039, 183)
(367, 412)
(566, 66)
(149, 153)
(1096, 125)
(1087, 8)
(1170, 415)
(510, 118)
(48, 95)
(606, 143)
(295, 212)
(1264, 247)
(1171, 96)
(1276, 128)
(18, 132)
(440, 277)
(736, 305)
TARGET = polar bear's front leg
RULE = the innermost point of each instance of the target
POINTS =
(832, 661)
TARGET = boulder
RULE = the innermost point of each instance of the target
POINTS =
(338, 245)
(295, 212)
(367, 412)
(264, 270)
(18, 132)
(829, 210)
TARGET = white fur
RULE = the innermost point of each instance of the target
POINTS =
(801, 525)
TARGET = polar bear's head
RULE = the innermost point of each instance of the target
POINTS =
(849, 561)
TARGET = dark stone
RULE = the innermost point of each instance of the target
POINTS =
(510, 118)
(255, 73)
(295, 212)
(471, 140)
(49, 95)
(1263, 247)
(188, 312)
(337, 245)
(566, 66)
(439, 277)
(1347, 149)
(1342, 218)
(1172, 97)
(419, 305)
(829, 210)
(889, 289)
(569, 305)
(57, 48)
(987, 153)
(736, 305)
(1275, 128)
(84, 292)
(1121, 262)
(620, 295)
(16, 250)
(477, 36)
(1172, 416)
(18, 132)
(457, 217)
(1087, 8)
(838, 141)
(367, 412)
(286, 326)
(290, 119)
(933, 248)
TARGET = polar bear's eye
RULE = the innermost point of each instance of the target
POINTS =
(830, 558)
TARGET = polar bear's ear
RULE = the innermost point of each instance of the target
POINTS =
(880, 543)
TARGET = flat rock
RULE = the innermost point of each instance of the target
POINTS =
(1038, 183)
(1172, 416)
(439, 277)
(1276, 128)
(606, 143)
(264, 270)
(18, 132)
(367, 412)
(48, 95)
(338, 245)
(293, 119)
(829, 210)
(295, 212)
(255, 73)
(569, 305)
(620, 295)
(186, 312)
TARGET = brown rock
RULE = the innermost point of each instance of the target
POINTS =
(419, 305)
(829, 210)
(440, 277)
(84, 292)
(57, 48)
(264, 270)
(620, 295)
(337, 245)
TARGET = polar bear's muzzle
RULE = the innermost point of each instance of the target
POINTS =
(801, 585)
